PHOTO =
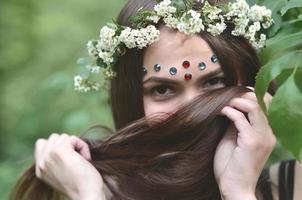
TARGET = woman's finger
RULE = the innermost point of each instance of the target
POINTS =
(74, 143)
(267, 98)
(40, 148)
(53, 138)
(238, 118)
(256, 116)
(81, 147)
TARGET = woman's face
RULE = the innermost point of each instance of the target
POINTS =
(180, 56)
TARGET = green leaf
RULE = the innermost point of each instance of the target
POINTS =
(251, 2)
(273, 69)
(291, 4)
(285, 113)
(275, 6)
(280, 44)
(179, 5)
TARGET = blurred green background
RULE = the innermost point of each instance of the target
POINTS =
(40, 42)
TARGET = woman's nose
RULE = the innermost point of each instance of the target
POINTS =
(189, 96)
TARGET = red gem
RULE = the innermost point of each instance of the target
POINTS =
(186, 64)
(188, 77)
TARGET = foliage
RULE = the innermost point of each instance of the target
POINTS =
(39, 44)
(283, 61)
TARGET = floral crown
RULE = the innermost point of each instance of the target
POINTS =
(115, 39)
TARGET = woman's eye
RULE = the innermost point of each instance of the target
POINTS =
(162, 90)
(215, 81)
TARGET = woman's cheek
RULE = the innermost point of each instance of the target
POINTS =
(153, 108)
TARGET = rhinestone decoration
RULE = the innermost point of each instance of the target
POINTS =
(214, 59)
(188, 77)
(145, 71)
(186, 64)
(202, 66)
(157, 67)
(173, 71)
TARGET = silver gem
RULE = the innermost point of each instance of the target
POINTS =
(202, 66)
(214, 59)
(173, 71)
(157, 67)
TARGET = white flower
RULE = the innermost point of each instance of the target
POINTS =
(262, 40)
(212, 12)
(164, 8)
(267, 23)
(107, 41)
(238, 9)
(261, 14)
(258, 43)
(128, 38)
(83, 85)
(139, 38)
(190, 25)
(77, 80)
(153, 34)
(251, 35)
(217, 29)
(107, 57)
(153, 18)
(109, 74)
(92, 51)
(240, 26)
(171, 21)
(252, 30)
(258, 13)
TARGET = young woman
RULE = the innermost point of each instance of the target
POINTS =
(188, 127)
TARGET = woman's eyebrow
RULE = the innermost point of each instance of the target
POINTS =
(160, 80)
(210, 74)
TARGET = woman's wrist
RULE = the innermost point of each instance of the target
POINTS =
(241, 197)
(238, 196)
(237, 193)
(92, 194)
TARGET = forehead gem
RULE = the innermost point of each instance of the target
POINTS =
(145, 71)
(173, 70)
(186, 64)
(188, 77)
(202, 66)
(214, 58)
(157, 67)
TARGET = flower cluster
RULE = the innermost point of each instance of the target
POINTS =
(164, 9)
(190, 23)
(84, 85)
(141, 38)
(249, 20)
(116, 39)
(105, 51)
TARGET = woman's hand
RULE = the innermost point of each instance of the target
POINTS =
(241, 155)
(62, 162)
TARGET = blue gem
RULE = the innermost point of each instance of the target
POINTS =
(202, 66)
(145, 70)
(157, 67)
(214, 59)
(173, 70)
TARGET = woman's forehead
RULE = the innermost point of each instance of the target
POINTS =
(173, 45)
(176, 55)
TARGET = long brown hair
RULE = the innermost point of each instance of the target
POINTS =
(173, 158)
